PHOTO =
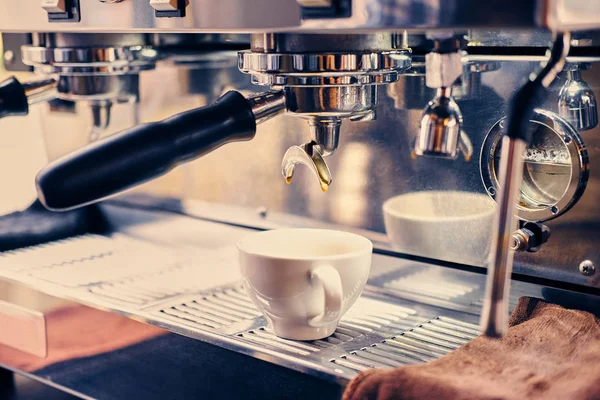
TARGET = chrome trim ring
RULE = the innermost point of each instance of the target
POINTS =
(324, 69)
(92, 60)
(577, 154)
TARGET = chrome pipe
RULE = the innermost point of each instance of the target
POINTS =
(494, 317)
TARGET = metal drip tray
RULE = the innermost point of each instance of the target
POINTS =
(169, 291)
(408, 313)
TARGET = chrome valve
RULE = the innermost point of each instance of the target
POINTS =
(441, 121)
(576, 100)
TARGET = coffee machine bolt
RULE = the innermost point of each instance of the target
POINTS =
(530, 237)
(587, 268)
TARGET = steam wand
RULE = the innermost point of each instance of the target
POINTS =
(494, 317)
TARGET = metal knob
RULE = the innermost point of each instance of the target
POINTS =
(577, 103)
(441, 125)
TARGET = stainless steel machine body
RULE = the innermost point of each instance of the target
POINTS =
(380, 84)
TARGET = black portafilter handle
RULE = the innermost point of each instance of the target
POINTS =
(16, 97)
(147, 151)
(13, 100)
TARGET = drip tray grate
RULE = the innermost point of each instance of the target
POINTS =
(263, 336)
(214, 310)
(144, 289)
(422, 343)
(85, 260)
(174, 290)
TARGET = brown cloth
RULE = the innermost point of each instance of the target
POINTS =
(548, 353)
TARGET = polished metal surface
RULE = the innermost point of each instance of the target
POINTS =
(331, 101)
(556, 167)
(315, 43)
(90, 60)
(494, 317)
(278, 15)
(131, 16)
(326, 134)
(403, 318)
(86, 39)
(520, 240)
(324, 69)
(100, 118)
(173, 290)
(577, 102)
(320, 79)
(441, 121)
(411, 91)
(587, 268)
(371, 164)
(191, 287)
(40, 90)
(442, 70)
(494, 321)
(441, 125)
(97, 74)
(323, 85)
(267, 105)
(197, 58)
(121, 88)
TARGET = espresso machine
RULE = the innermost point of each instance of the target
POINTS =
(187, 124)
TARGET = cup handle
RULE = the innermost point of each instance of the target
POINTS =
(329, 279)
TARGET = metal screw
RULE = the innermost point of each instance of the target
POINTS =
(518, 243)
(9, 57)
(262, 212)
(587, 268)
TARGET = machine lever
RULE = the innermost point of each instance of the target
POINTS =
(144, 152)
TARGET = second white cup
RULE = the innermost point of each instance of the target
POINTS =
(304, 280)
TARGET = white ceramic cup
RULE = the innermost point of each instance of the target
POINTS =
(446, 225)
(304, 280)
